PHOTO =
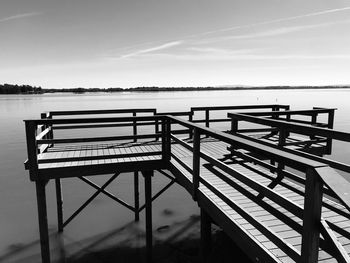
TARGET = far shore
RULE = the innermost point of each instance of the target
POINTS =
(15, 89)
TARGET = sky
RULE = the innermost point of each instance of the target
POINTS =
(129, 43)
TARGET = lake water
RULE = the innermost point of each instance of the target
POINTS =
(18, 216)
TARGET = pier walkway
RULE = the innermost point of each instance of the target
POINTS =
(268, 188)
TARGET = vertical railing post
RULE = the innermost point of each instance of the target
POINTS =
(313, 122)
(166, 139)
(288, 116)
(156, 124)
(311, 218)
(330, 126)
(234, 125)
(134, 126)
(32, 149)
(136, 196)
(190, 118)
(196, 162)
(282, 137)
(275, 108)
(43, 225)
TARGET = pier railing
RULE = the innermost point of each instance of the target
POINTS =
(284, 123)
(191, 115)
(40, 137)
(318, 179)
(207, 112)
(283, 128)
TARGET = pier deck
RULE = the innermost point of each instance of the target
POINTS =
(277, 203)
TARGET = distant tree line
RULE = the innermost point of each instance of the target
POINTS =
(19, 89)
(82, 90)
(28, 89)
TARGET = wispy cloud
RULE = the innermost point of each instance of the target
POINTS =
(292, 18)
(19, 16)
(153, 49)
(222, 54)
(274, 32)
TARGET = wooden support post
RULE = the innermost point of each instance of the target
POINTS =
(282, 137)
(288, 116)
(205, 243)
(134, 126)
(148, 197)
(59, 201)
(207, 118)
(190, 131)
(313, 122)
(330, 126)
(196, 163)
(166, 140)
(43, 225)
(234, 125)
(312, 218)
(136, 196)
(32, 148)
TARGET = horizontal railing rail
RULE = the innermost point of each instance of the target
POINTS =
(288, 114)
(293, 127)
(96, 112)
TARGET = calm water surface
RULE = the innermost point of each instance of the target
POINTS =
(18, 216)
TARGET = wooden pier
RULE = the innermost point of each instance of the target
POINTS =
(262, 179)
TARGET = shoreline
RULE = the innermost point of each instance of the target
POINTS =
(174, 89)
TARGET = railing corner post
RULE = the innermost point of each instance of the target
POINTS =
(190, 118)
(312, 217)
(32, 149)
(166, 139)
(134, 126)
(196, 163)
(330, 126)
(234, 125)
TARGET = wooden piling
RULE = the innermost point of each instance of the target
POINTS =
(205, 242)
(43, 225)
(136, 196)
(148, 198)
(59, 201)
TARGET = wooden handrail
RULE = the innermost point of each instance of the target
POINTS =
(94, 112)
(240, 107)
(293, 127)
(289, 112)
(94, 120)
